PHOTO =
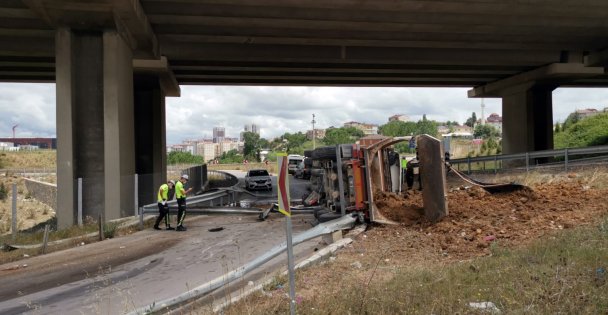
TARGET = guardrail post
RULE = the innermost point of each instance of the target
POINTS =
(469, 163)
(80, 201)
(136, 194)
(45, 239)
(527, 162)
(495, 164)
(141, 218)
(101, 234)
(14, 216)
(566, 159)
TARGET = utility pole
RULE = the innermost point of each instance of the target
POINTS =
(314, 132)
(17, 125)
(483, 107)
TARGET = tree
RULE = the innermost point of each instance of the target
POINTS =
(485, 131)
(572, 119)
(251, 148)
(428, 127)
(471, 121)
(176, 157)
(294, 142)
(397, 128)
(557, 128)
(586, 132)
(342, 135)
(231, 157)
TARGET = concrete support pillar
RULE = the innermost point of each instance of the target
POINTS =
(119, 137)
(94, 116)
(527, 119)
(150, 139)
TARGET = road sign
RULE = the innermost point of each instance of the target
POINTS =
(283, 184)
(285, 208)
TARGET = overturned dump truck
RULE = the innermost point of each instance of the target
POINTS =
(344, 178)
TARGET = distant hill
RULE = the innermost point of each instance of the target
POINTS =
(586, 132)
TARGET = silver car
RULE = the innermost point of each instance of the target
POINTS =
(258, 179)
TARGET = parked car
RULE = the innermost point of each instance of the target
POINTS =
(258, 179)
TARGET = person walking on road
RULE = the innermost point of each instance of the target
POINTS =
(163, 208)
(180, 195)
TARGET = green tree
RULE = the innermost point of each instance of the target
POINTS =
(485, 131)
(585, 132)
(557, 128)
(251, 148)
(397, 129)
(231, 157)
(176, 157)
(572, 119)
(425, 126)
(294, 142)
(471, 121)
(342, 135)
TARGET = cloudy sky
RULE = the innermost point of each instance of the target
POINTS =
(279, 109)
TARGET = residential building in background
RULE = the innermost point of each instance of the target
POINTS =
(399, 117)
(368, 129)
(319, 133)
(495, 121)
(219, 133)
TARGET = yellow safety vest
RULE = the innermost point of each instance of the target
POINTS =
(163, 192)
(179, 190)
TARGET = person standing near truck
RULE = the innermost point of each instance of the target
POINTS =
(180, 195)
(163, 208)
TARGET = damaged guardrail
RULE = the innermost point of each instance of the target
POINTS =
(342, 223)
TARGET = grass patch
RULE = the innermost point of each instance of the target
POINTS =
(565, 274)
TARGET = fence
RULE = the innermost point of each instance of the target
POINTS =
(563, 158)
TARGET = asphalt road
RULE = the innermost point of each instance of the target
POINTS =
(198, 257)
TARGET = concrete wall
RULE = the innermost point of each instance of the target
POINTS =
(43, 192)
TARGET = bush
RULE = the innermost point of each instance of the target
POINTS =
(3, 192)
(109, 229)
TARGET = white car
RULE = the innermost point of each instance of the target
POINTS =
(258, 179)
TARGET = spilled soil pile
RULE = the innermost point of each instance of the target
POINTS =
(476, 218)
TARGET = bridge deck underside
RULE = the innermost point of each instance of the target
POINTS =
(338, 42)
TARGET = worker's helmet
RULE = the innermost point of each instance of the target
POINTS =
(185, 177)
(171, 182)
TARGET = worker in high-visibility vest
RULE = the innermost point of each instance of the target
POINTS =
(163, 208)
(180, 195)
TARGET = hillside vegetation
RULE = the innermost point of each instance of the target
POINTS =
(583, 133)
(38, 159)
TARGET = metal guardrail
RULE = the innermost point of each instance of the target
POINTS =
(526, 157)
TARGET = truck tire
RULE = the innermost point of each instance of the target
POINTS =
(324, 153)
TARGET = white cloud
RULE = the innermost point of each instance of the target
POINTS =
(280, 109)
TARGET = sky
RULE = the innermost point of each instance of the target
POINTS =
(277, 110)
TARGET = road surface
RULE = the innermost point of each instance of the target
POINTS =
(121, 274)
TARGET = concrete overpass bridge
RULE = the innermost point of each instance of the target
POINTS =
(115, 61)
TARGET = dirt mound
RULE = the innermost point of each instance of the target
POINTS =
(406, 208)
(477, 218)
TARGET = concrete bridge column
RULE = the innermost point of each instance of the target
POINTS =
(527, 119)
(150, 136)
(95, 137)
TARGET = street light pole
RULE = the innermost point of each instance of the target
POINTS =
(314, 132)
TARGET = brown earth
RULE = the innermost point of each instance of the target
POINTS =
(476, 221)
(476, 218)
